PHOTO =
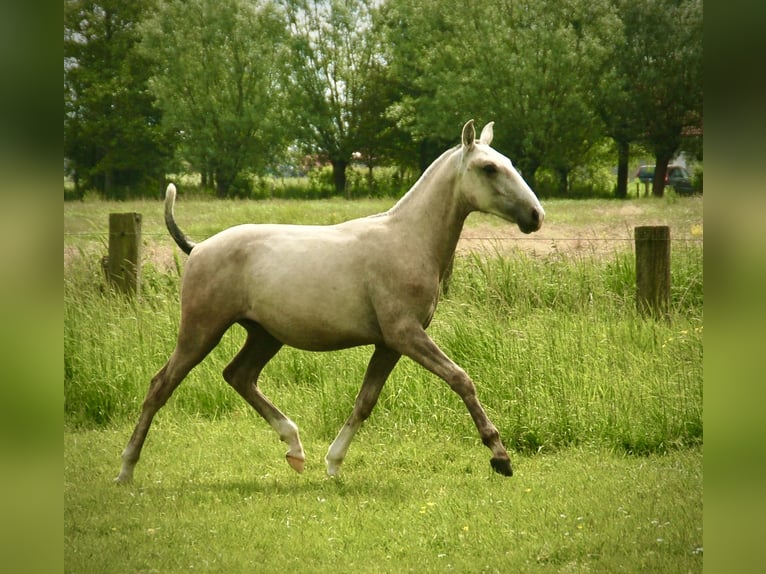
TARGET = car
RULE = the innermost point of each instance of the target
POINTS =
(679, 179)
(676, 177)
(645, 173)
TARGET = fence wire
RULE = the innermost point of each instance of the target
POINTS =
(685, 238)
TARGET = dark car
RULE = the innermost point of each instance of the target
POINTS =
(679, 179)
(645, 173)
(676, 177)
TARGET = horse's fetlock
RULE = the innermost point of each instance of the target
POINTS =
(490, 437)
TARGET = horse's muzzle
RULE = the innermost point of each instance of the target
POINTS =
(533, 221)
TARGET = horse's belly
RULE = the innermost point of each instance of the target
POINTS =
(319, 327)
(315, 312)
(316, 338)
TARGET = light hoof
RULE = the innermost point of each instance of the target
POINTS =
(123, 480)
(333, 467)
(296, 463)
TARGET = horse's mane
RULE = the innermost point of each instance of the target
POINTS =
(426, 176)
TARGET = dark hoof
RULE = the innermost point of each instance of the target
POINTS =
(502, 466)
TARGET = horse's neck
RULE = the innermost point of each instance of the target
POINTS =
(430, 212)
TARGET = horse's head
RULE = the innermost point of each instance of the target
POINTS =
(491, 184)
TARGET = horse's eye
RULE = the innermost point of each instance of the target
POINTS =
(489, 168)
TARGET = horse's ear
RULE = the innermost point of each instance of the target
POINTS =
(487, 134)
(469, 134)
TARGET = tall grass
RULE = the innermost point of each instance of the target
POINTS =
(559, 354)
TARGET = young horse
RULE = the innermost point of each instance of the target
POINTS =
(369, 281)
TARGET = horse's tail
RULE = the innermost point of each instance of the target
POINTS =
(178, 236)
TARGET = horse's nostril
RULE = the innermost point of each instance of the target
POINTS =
(535, 216)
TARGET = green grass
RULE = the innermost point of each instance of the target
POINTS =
(556, 347)
(218, 497)
(600, 407)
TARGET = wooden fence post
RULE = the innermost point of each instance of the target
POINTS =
(653, 270)
(124, 263)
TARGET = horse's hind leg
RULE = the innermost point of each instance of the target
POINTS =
(192, 346)
(242, 374)
(381, 364)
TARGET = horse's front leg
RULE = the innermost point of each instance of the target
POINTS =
(416, 344)
(381, 364)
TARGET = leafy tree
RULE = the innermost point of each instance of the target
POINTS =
(663, 72)
(380, 141)
(113, 138)
(528, 65)
(218, 84)
(561, 46)
(335, 66)
(428, 43)
(454, 61)
(616, 103)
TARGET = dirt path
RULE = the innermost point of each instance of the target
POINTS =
(577, 228)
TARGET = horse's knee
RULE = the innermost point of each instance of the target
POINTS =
(461, 383)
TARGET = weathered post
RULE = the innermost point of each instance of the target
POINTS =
(124, 263)
(653, 269)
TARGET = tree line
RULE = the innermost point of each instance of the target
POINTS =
(232, 88)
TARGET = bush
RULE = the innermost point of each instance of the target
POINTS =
(697, 178)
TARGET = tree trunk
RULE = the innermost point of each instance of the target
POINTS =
(563, 182)
(623, 151)
(370, 178)
(109, 184)
(339, 176)
(660, 170)
(223, 182)
(529, 173)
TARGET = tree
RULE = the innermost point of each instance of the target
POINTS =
(528, 65)
(335, 56)
(618, 112)
(379, 138)
(454, 61)
(561, 47)
(663, 55)
(557, 76)
(218, 84)
(615, 101)
(113, 138)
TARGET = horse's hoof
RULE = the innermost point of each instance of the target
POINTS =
(296, 463)
(333, 467)
(125, 476)
(502, 466)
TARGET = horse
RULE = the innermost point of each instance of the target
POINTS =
(368, 281)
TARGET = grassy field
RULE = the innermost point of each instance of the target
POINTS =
(217, 497)
(600, 407)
